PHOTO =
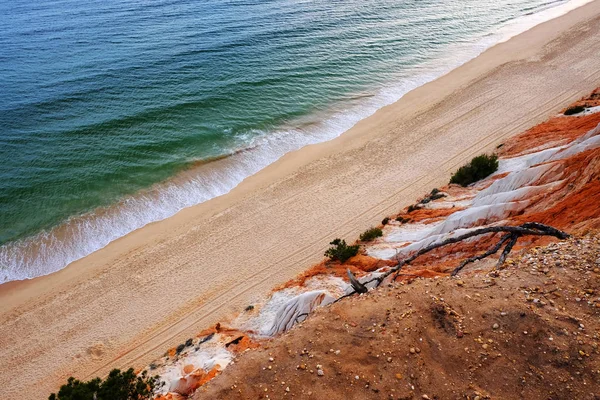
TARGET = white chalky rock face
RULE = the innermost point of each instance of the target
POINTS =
(297, 309)
(526, 161)
(260, 321)
(517, 179)
(529, 176)
(522, 193)
(580, 146)
(175, 379)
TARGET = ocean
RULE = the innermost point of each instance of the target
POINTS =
(115, 114)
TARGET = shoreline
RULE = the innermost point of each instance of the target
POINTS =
(297, 202)
(51, 250)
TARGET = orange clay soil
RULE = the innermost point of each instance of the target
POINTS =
(554, 132)
(428, 215)
(528, 331)
(358, 264)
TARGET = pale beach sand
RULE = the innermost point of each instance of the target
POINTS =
(126, 304)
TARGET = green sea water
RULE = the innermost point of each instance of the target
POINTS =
(107, 108)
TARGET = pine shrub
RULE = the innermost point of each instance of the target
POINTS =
(371, 234)
(340, 251)
(117, 386)
(479, 168)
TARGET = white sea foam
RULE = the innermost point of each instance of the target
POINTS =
(50, 251)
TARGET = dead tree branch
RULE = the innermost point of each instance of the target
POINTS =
(513, 233)
(508, 248)
(356, 285)
(488, 253)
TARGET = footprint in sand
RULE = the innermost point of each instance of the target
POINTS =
(96, 351)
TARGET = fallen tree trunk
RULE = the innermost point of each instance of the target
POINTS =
(513, 233)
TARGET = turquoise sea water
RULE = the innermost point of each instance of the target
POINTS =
(111, 111)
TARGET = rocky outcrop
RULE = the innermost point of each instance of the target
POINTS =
(297, 309)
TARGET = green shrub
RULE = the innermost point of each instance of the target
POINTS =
(385, 221)
(437, 196)
(117, 386)
(402, 220)
(574, 110)
(341, 251)
(371, 234)
(479, 168)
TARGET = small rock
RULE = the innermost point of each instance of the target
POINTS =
(425, 397)
(389, 359)
(412, 350)
(320, 372)
(495, 326)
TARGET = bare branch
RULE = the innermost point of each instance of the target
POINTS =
(514, 232)
(508, 248)
(356, 285)
(488, 253)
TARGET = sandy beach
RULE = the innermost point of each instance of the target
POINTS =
(126, 304)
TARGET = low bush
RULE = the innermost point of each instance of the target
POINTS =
(479, 168)
(385, 221)
(411, 208)
(574, 110)
(371, 234)
(117, 386)
(340, 251)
